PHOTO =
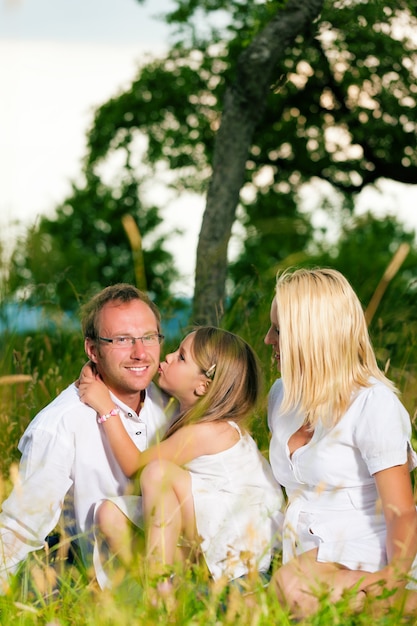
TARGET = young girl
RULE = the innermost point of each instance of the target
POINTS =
(206, 485)
(341, 447)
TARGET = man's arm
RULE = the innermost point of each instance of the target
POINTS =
(33, 508)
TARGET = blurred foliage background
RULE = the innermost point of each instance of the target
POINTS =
(339, 118)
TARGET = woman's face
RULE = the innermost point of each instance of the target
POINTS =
(181, 377)
(272, 336)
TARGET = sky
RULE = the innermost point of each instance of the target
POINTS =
(59, 60)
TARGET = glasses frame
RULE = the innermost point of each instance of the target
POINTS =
(131, 341)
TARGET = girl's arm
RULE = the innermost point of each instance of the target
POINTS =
(185, 444)
(94, 392)
(396, 493)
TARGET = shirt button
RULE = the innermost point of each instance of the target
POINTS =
(129, 415)
(139, 432)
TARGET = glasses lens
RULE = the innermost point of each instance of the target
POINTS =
(150, 340)
(123, 342)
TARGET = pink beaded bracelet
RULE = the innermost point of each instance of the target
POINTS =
(107, 416)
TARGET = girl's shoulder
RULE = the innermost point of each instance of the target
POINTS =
(216, 426)
(210, 437)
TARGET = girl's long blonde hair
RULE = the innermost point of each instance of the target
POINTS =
(232, 368)
(325, 350)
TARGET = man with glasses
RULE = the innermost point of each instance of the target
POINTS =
(67, 466)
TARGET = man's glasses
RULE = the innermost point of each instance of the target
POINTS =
(125, 341)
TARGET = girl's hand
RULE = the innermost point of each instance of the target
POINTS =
(88, 372)
(93, 391)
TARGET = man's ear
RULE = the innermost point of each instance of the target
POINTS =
(202, 388)
(90, 348)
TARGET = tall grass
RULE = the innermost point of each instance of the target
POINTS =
(53, 589)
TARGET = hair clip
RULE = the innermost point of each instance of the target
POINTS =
(211, 370)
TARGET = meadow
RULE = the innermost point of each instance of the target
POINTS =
(53, 589)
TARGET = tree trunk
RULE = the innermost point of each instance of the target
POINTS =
(244, 105)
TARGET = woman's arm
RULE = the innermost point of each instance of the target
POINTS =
(396, 494)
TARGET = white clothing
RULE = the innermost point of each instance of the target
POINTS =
(67, 466)
(332, 495)
(238, 508)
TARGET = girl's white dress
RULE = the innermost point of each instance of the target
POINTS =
(332, 496)
(238, 507)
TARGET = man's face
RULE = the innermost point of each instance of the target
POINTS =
(129, 369)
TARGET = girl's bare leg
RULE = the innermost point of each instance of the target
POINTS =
(115, 529)
(168, 510)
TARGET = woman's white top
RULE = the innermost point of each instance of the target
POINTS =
(332, 496)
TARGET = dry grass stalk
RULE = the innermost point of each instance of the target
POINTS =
(14, 379)
(393, 267)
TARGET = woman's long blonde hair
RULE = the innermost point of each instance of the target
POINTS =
(232, 368)
(325, 351)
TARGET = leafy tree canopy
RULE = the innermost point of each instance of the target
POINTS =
(341, 111)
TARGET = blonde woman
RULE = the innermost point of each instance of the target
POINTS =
(340, 446)
(206, 487)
